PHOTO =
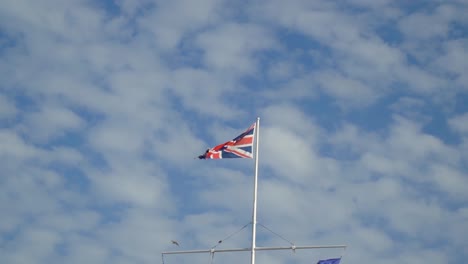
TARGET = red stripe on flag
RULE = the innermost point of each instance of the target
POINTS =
(245, 141)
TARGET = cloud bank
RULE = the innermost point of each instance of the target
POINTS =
(105, 105)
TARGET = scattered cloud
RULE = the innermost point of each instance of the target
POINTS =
(105, 106)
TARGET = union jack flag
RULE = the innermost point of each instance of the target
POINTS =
(239, 147)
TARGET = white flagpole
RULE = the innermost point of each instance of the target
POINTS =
(253, 249)
(254, 210)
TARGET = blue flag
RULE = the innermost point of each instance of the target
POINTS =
(329, 261)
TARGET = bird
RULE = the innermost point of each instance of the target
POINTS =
(175, 242)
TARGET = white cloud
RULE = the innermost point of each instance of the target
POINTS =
(34, 245)
(282, 70)
(374, 240)
(291, 118)
(141, 189)
(451, 181)
(407, 138)
(14, 146)
(454, 61)
(301, 87)
(7, 108)
(103, 110)
(171, 20)
(51, 122)
(410, 108)
(138, 235)
(459, 123)
(233, 47)
(116, 138)
(283, 154)
(88, 250)
(347, 91)
(199, 91)
(415, 26)
(370, 3)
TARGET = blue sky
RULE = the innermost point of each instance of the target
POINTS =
(363, 140)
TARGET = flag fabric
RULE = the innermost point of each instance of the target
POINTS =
(329, 261)
(239, 147)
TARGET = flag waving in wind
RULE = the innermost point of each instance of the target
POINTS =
(239, 147)
(329, 261)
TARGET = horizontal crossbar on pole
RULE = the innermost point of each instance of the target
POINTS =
(299, 247)
(206, 251)
(249, 249)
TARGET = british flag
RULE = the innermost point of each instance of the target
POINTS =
(239, 147)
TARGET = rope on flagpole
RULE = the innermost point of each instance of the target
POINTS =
(276, 234)
(226, 238)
